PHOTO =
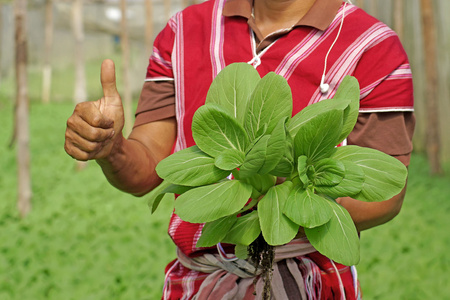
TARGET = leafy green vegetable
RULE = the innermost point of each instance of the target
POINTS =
(246, 129)
(190, 167)
(211, 202)
(260, 183)
(270, 102)
(328, 172)
(317, 143)
(156, 195)
(275, 146)
(215, 131)
(286, 164)
(255, 158)
(338, 238)
(307, 209)
(215, 231)
(351, 184)
(229, 159)
(348, 91)
(277, 228)
(244, 231)
(385, 176)
(241, 251)
(232, 89)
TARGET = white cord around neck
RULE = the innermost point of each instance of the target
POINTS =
(325, 86)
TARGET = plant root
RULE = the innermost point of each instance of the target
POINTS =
(262, 255)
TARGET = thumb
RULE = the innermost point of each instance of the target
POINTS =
(108, 80)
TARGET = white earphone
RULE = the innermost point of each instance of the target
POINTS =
(324, 87)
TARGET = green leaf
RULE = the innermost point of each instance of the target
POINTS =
(212, 202)
(241, 251)
(348, 90)
(270, 102)
(317, 138)
(277, 228)
(156, 195)
(245, 230)
(255, 158)
(284, 168)
(177, 189)
(385, 176)
(306, 208)
(214, 131)
(328, 172)
(190, 167)
(275, 146)
(302, 167)
(337, 239)
(346, 100)
(260, 133)
(213, 232)
(350, 185)
(312, 111)
(286, 165)
(260, 183)
(229, 159)
(232, 88)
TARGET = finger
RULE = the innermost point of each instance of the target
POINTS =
(84, 145)
(108, 80)
(88, 132)
(90, 113)
(75, 152)
(82, 149)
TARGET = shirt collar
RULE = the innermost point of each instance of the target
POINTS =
(320, 15)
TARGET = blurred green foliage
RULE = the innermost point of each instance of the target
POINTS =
(85, 240)
(407, 258)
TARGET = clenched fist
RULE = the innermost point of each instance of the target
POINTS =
(95, 126)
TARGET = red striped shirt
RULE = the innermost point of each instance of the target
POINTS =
(199, 42)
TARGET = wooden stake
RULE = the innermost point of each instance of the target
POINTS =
(22, 109)
(47, 69)
(398, 14)
(80, 93)
(127, 94)
(433, 142)
(374, 8)
(149, 26)
(167, 8)
(1, 37)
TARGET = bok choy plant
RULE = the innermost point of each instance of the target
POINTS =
(246, 129)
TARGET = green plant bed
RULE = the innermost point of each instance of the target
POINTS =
(407, 257)
(83, 239)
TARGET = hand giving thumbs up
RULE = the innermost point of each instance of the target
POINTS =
(95, 125)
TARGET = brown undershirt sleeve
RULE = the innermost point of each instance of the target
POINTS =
(389, 132)
(157, 102)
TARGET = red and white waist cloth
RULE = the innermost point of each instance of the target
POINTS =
(299, 272)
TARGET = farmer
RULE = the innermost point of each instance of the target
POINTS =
(313, 44)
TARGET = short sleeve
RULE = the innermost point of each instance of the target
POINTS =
(157, 102)
(384, 75)
(157, 99)
(160, 62)
(389, 132)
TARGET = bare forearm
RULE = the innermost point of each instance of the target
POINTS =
(131, 164)
(130, 167)
(366, 215)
